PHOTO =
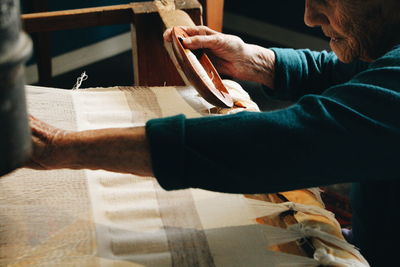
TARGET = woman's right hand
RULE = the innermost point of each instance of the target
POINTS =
(230, 55)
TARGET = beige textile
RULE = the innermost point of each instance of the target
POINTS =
(99, 218)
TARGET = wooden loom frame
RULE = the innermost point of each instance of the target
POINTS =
(151, 63)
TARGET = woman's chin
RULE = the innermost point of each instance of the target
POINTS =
(342, 50)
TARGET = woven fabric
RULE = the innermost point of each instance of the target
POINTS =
(99, 218)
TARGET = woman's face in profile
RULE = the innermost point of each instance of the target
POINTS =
(356, 28)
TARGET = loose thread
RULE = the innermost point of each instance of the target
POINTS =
(80, 80)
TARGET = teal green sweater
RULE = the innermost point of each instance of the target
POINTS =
(344, 127)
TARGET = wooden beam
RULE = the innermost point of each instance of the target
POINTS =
(77, 18)
(90, 17)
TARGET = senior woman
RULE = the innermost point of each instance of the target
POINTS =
(343, 127)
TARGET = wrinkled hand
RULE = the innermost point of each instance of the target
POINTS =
(230, 55)
(47, 145)
(227, 51)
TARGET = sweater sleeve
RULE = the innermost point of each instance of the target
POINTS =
(347, 134)
(301, 72)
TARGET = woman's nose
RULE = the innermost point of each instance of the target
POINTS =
(313, 14)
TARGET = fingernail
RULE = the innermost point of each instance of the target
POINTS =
(187, 41)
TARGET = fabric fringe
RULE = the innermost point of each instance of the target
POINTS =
(273, 209)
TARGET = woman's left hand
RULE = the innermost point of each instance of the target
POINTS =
(47, 145)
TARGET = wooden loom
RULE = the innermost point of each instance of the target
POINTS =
(152, 66)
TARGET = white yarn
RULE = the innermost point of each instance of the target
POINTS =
(79, 81)
(322, 256)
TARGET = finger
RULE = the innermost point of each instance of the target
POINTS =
(35, 125)
(38, 127)
(202, 41)
(198, 30)
(168, 35)
(34, 122)
(42, 130)
(190, 30)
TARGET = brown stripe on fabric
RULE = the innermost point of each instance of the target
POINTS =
(186, 239)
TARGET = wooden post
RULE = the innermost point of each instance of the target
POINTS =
(42, 46)
(213, 13)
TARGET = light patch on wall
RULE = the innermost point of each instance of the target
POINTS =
(272, 33)
(84, 56)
